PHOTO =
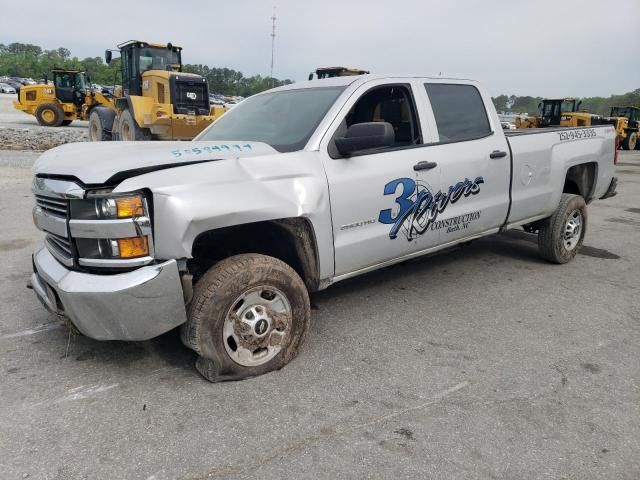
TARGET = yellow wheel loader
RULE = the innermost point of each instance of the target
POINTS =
(156, 99)
(563, 112)
(626, 121)
(62, 102)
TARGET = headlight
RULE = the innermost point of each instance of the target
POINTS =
(112, 230)
(122, 207)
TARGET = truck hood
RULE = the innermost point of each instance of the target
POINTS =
(100, 163)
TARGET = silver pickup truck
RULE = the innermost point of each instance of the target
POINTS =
(293, 190)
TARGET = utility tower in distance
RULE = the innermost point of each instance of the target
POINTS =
(273, 42)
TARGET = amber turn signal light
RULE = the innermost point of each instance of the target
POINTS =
(128, 207)
(133, 247)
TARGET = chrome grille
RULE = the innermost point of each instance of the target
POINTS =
(60, 248)
(53, 206)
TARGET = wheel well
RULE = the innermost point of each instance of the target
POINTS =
(291, 240)
(580, 180)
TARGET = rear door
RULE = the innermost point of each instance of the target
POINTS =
(473, 154)
(372, 193)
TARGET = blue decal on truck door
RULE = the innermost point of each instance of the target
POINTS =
(419, 207)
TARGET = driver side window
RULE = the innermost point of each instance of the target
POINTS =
(391, 104)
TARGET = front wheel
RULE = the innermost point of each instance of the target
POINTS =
(561, 236)
(128, 129)
(101, 124)
(248, 316)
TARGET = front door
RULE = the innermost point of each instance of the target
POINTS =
(373, 193)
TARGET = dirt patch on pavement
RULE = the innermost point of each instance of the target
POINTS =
(41, 138)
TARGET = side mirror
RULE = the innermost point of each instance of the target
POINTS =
(363, 136)
(311, 76)
(108, 56)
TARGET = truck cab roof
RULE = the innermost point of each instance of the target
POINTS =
(357, 80)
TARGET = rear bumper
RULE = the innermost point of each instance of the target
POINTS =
(136, 305)
(611, 191)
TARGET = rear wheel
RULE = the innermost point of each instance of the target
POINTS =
(248, 316)
(630, 142)
(129, 130)
(560, 236)
(101, 124)
(49, 115)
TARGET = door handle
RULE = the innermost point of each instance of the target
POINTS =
(424, 166)
(497, 154)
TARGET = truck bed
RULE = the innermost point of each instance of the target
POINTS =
(541, 158)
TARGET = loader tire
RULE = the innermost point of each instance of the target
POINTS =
(560, 236)
(128, 129)
(49, 115)
(101, 124)
(630, 142)
(248, 316)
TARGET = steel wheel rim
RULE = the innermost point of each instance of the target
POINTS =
(573, 230)
(48, 115)
(256, 326)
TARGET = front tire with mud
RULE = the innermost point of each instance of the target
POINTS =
(248, 316)
(560, 236)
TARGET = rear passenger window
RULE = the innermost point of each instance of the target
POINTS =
(459, 111)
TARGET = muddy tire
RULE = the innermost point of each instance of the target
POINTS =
(49, 115)
(128, 129)
(101, 124)
(248, 316)
(560, 236)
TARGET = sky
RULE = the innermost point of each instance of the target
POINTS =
(549, 48)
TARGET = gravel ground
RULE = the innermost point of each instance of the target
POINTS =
(483, 363)
(19, 131)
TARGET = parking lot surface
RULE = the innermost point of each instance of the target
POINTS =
(483, 362)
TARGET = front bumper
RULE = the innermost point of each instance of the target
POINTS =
(136, 305)
(611, 191)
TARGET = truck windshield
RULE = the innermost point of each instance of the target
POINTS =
(284, 120)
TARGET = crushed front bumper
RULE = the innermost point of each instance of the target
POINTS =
(136, 305)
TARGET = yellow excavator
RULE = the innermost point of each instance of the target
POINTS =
(156, 100)
(329, 72)
(563, 112)
(626, 121)
(67, 99)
